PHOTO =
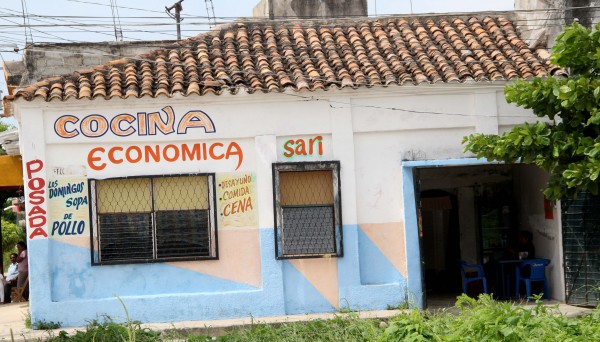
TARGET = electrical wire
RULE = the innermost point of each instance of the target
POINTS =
(145, 31)
(129, 8)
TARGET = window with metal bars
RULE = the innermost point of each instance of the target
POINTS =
(307, 202)
(150, 219)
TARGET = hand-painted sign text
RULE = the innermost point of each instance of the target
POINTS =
(69, 206)
(303, 147)
(237, 200)
(99, 157)
(36, 198)
(142, 124)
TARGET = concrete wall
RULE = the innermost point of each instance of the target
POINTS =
(587, 12)
(371, 133)
(540, 21)
(45, 60)
(311, 8)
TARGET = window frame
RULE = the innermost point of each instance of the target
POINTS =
(95, 235)
(334, 167)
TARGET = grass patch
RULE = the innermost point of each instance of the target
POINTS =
(481, 319)
(109, 331)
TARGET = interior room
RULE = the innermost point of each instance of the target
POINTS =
(475, 213)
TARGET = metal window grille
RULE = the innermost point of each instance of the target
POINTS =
(307, 204)
(149, 219)
(581, 243)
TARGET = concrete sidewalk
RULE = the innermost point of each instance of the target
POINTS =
(13, 316)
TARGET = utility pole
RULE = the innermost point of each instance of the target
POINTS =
(208, 13)
(177, 6)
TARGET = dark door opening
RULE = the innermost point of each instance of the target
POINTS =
(466, 213)
(440, 242)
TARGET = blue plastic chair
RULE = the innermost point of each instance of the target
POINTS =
(537, 273)
(467, 279)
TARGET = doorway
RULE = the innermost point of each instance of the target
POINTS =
(466, 213)
(482, 196)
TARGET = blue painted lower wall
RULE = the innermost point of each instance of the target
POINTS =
(65, 288)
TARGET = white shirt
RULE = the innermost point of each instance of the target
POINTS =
(12, 273)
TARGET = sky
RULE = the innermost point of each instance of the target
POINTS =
(93, 20)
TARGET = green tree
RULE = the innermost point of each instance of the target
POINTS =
(11, 234)
(567, 142)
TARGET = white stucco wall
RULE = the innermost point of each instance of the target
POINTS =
(547, 232)
(371, 132)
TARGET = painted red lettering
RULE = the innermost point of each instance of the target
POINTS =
(193, 154)
(128, 154)
(235, 150)
(111, 155)
(36, 210)
(319, 140)
(41, 221)
(155, 154)
(38, 231)
(92, 159)
(300, 148)
(175, 153)
(211, 151)
(39, 181)
(36, 197)
(33, 166)
(289, 149)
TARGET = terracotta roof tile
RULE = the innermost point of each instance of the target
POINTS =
(267, 56)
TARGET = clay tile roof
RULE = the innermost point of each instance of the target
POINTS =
(338, 53)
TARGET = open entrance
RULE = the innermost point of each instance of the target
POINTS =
(475, 213)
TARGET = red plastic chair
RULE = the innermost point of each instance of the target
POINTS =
(537, 273)
(466, 268)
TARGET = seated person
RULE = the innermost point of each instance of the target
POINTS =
(523, 249)
(10, 279)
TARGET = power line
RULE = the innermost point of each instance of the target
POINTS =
(383, 15)
(202, 23)
(123, 7)
(95, 31)
(208, 13)
(115, 16)
(26, 20)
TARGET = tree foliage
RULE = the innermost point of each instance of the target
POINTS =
(566, 142)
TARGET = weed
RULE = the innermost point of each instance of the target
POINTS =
(108, 331)
(47, 325)
(28, 320)
(480, 319)
(130, 328)
(399, 306)
(346, 308)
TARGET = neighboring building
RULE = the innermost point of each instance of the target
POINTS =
(44, 60)
(274, 168)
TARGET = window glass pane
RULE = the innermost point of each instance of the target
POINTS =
(181, 193)
(308, 230)
(124, 195)
(306, 187)
(125, 236)
(182, 233)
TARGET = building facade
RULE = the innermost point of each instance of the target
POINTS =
(269, 169)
